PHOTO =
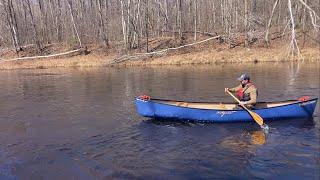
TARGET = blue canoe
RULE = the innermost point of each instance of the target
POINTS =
(226, 112)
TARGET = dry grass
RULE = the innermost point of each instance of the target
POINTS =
(207, 53)
(91, 60)
(225, 55)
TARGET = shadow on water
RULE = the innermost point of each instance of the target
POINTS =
(245, 130)
(298, 123)
(236, 136)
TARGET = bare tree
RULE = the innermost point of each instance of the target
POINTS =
(36, 36)
(293, 44)
(195, 17)
(102, 24)
(246, 22)
(147, 22)
(124, 27)
(73, 22)
(12, 22)
(135, 22)
(266, 38)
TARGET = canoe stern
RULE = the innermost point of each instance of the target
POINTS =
(144, 107)
(308, 107)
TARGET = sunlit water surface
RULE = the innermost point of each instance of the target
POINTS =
(82, 124)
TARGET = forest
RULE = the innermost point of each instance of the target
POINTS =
(129, 25)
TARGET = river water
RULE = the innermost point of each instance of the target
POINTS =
(82, 124)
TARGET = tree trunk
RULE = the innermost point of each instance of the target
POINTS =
(147, 20)
(73, 22)
(102, 25)
(138, 25)
(180, 20)
(246, 22)
(166, 15)
(44, 23)
(59, 25)
(35, 32)
(293, 44)
(8, 6)
(266, 38)
(195, 17)
(124, 28)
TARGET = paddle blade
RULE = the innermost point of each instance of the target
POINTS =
(256, 117)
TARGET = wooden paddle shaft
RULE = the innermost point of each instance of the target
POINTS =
(254, 115)
(237, 100)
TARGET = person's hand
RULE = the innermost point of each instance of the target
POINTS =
(242, 103)
(226, 89)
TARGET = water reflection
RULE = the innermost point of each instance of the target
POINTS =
(82, 124)
(244, 142)
(258, 137)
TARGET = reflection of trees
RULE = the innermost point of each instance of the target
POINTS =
(294, 70)
(301, 79)
(41, 87)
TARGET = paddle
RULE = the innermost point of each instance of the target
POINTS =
(254, 115)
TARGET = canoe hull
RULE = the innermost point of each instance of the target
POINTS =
(153, 109)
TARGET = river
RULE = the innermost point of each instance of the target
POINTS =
(82, 124)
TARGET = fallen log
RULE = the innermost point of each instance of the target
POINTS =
(156, 53)
(191, 32)
(76, 52)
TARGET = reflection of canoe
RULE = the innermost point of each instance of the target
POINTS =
(227, 112)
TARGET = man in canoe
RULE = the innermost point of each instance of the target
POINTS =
(246, 92)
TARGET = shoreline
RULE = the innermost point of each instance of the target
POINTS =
(216, 55)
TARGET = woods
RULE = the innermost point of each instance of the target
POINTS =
(132, 23)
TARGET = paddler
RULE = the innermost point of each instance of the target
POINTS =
(246, 92)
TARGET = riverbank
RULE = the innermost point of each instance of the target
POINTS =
(237, 55)
(208, 53)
